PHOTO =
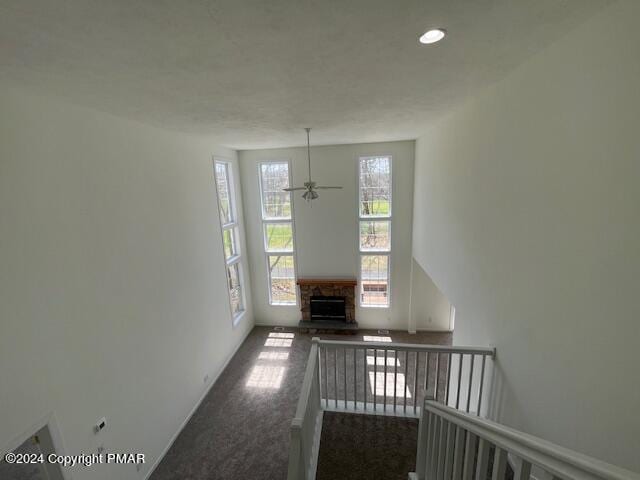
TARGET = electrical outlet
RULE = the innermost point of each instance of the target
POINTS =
(100, 424)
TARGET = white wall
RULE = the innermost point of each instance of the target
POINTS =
(430, 309)
(112, 286)
(528, 221)
(327, 230)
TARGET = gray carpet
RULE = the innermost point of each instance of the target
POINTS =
(365, 447)
(241, 429)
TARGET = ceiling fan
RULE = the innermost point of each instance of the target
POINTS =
(310, 186)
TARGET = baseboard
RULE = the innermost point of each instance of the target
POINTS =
(364, 327)
(271, 325)
(197, 405)
(380, 409)
(434, 330)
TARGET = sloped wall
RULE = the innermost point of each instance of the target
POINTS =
(528, 221)
(430, 309)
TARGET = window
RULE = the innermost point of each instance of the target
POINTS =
(277, 230)
(230, 243)
(374, 239)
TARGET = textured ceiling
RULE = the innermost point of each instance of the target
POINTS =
(252, 73)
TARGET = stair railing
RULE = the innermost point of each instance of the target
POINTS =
(307, 424)
(392, 378)
(454, 445)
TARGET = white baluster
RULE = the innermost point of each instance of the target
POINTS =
(335, 375)
(484, 360)
(499, 464)
(470, 382)
(375, 379)
(448, 459)
(522, 470)
(345, 377)
(442, 450)
(355, 381)
(326, 379)
(446, 402)
(483, 459)
(471, 443)
(395, 379)
(385, 380)
(458, 458)
(365, 379)
(415, 383)
(437, 387)
(459, 387)
(426, 377)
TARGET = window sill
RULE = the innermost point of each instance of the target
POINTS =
(237, 318)
(233, 259)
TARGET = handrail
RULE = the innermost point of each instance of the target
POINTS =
(305, 392)
(559, 461)
(488, 351)
(307, 423)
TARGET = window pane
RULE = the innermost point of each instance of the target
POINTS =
(224, 202)
(282, 277)
(375, 187)
(375, 280)
(278, 237)
(276, 203)
(229, 243)
(235, 291)
(375, 236)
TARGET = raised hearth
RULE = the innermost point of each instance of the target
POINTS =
(328, 303)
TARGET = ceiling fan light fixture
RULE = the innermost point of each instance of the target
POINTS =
(309, 195)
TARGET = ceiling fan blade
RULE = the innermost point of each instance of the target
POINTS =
(327, 188)
(294, 189)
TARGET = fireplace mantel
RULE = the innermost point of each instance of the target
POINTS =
(339, 282)
(328, 287)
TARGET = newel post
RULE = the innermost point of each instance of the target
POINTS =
(423, 432)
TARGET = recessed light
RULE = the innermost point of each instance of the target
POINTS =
(432, 36)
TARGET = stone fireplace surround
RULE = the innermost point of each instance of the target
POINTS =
(328, 287)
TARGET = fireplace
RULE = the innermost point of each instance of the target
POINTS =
(328, 303)
(328, 308)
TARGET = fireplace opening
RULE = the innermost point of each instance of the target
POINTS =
(328, 308)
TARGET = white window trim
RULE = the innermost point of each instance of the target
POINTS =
(264, 221)
(234, 227)
(375, 218)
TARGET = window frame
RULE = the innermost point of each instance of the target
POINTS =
(234, 227)
(374, 218)
(270, 221)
